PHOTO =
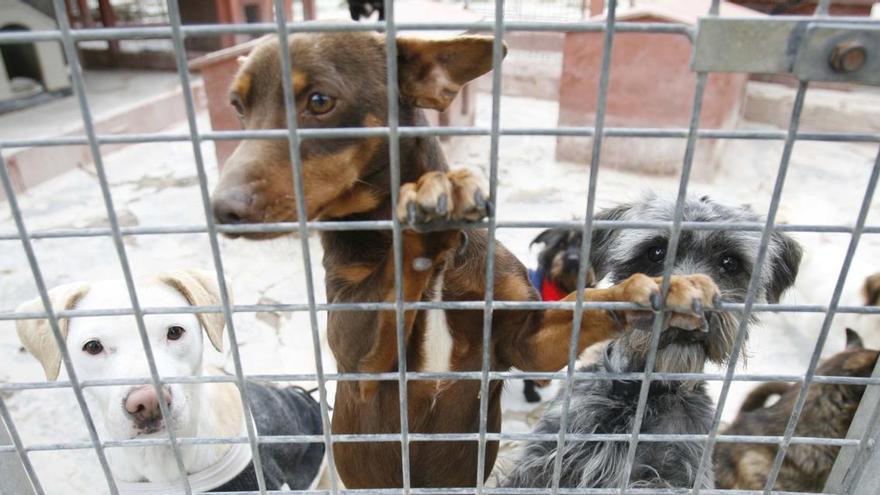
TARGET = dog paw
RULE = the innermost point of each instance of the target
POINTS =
(688, 298)
(440, 197)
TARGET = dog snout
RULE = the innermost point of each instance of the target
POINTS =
(142, 404)
(571, 260)
(233, 206)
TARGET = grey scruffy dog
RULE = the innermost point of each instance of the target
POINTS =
(608, 406)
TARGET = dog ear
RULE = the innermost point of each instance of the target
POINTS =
(601, 240)
(431, 72)
(36, 335)
(200, 289)
(871, 290)
(784, 268)
(548, 238)
(853, 340)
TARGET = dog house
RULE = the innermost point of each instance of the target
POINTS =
(29, 68)
(664, 100)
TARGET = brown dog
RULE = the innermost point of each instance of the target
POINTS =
(340, 81)
(827, 413)
(871, 290)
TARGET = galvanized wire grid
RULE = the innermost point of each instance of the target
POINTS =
(177, 33)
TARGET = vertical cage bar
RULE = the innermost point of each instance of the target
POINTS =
(497, 55)
(823, 8)
(79, 90)
(586, 239)
(54, 325)
(394, 162)
(195, 141)
(826, 325)
(755, 280)
(293, 142)
(668, 264)
(11, 472)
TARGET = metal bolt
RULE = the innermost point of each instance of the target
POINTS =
(848, 56)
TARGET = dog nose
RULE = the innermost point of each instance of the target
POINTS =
(571, 260)
(143, 403)
(232, 207)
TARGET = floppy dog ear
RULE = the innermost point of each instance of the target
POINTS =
(431, 72)
(871, 290)
(601, 241)
(548, 238)
(200, 289)
(36, 335)
(785, 266)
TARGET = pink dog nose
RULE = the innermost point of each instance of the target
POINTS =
(143, 404)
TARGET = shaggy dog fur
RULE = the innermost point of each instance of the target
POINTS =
(673, 407)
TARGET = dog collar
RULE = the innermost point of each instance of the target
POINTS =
(236, 459)
(549, 291)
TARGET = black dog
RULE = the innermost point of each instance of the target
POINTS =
(555, 278)
(365, 8)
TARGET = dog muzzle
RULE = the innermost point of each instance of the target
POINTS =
(674, 335)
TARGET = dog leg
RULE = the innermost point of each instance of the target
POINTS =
(437, 197)
(546, 349)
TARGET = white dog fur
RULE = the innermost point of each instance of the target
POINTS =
(197, 410)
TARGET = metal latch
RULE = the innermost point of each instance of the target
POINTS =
(811, 49)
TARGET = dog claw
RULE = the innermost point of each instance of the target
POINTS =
(442, 205)
(411, 213)
(697, 306)
(463, 242)
(655, 301)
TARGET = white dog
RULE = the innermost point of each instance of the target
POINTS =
(110, 347)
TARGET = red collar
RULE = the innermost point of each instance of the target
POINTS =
(551, 291)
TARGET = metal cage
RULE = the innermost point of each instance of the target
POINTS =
(853, 474)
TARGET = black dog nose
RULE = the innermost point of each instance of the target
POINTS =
(571, 260)
(232, 207)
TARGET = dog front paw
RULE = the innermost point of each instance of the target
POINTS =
(440, 197)
(688, 297)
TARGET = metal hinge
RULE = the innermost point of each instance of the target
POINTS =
(812, 50)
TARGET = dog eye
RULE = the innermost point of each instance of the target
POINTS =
(235, 101)
(320, 104)
(656, 254)
(728, 264)
(93, 347)
(175, 332)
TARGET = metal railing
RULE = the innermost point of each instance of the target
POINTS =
(177, 33)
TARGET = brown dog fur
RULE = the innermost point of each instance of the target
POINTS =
(827, 413)
(348, 179)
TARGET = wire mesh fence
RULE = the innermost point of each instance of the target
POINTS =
(858, 481)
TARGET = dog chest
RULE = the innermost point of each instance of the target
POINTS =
(437, 343)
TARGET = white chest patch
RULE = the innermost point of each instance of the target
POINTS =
(438, 341)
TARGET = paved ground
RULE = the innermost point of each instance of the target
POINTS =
(154, 184)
